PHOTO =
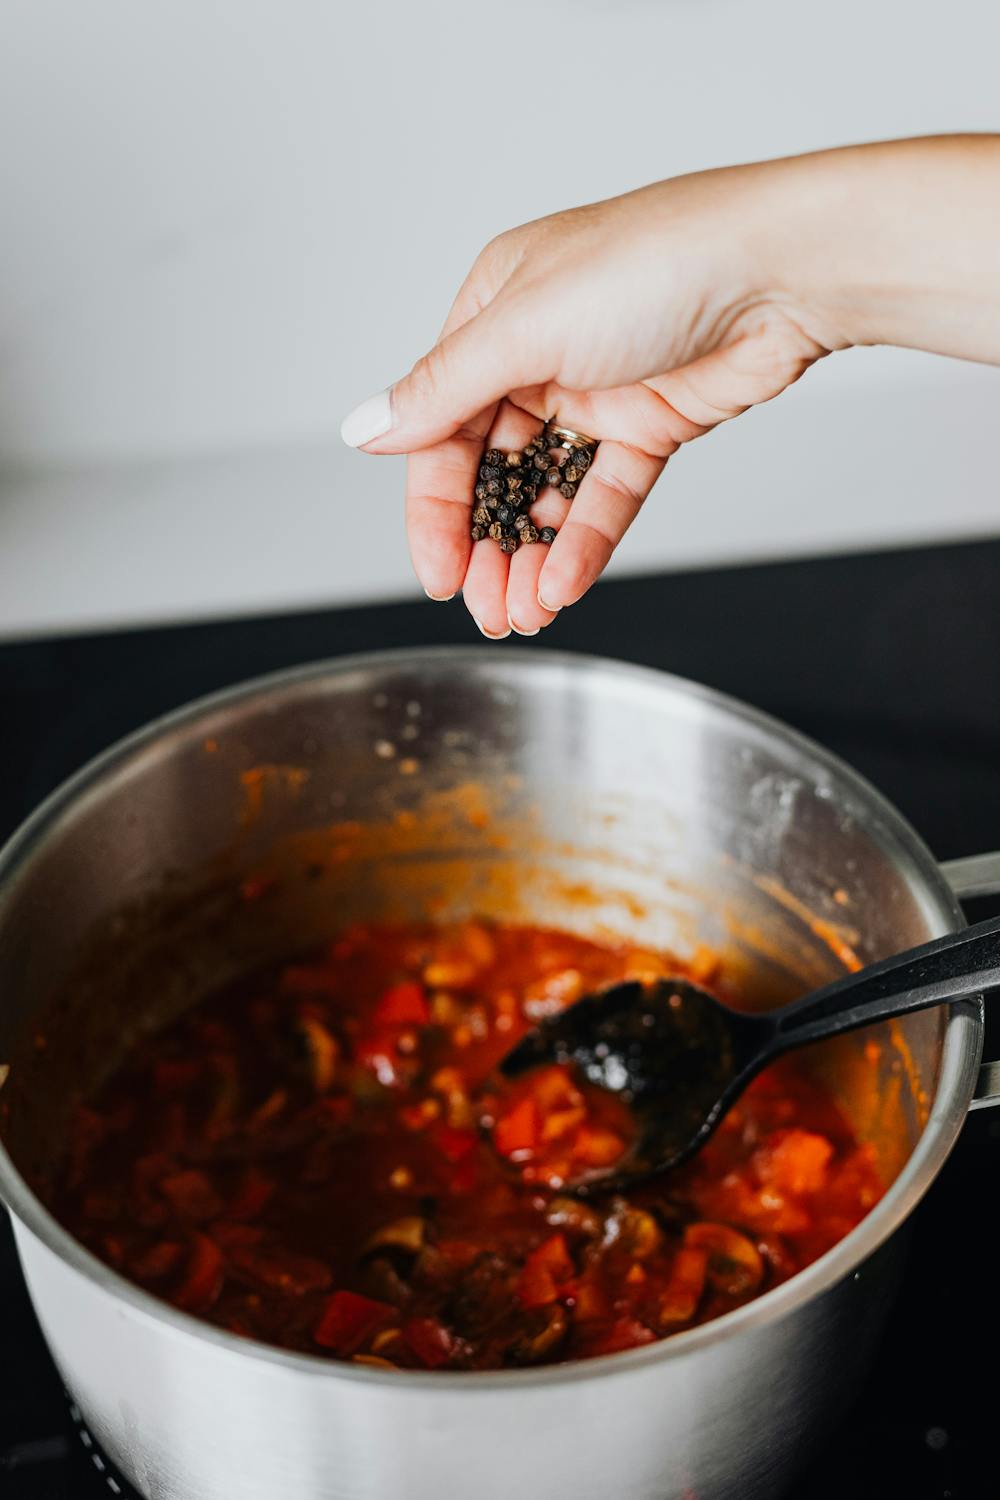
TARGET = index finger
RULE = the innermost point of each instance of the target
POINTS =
(439, 486)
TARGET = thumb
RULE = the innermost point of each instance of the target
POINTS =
(468, 371)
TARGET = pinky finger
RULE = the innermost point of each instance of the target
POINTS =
(609, 499)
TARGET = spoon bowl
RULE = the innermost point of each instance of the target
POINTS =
(669, 1050)
(678, 1058)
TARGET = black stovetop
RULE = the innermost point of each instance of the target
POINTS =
(893, 660)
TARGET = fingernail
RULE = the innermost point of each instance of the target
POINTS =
(518, 631)
(368, 421)
(439, 598)
(489, 633)
(553, 609)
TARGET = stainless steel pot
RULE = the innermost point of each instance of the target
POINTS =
(600, 795)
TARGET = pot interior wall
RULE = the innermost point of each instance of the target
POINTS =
(576, 795)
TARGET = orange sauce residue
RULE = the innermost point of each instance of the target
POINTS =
(839, 940)
(256, 780)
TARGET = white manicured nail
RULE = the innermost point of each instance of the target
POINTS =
(488, 633)
(553, 609)
(439, 598)
(368, 421)
(518, 631)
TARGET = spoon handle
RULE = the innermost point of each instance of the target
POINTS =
(959, 966)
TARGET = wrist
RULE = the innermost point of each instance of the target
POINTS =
(805, 238)
(890, 243)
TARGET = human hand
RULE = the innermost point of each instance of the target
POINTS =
(643, 321)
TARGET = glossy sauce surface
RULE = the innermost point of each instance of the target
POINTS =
(317, 1159)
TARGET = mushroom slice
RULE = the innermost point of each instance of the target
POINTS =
(735, 1265)
(569, 1213)
(407, 1235)
(544, 1330)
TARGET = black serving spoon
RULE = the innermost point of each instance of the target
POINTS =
(679, 1058)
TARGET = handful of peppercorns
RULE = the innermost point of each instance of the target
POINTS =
(510, 483)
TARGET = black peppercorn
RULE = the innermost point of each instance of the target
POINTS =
(510, 481)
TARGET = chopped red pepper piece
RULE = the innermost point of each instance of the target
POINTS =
(554, 1089)
(191, 1195)
(459, 1253)
(348, 1320)
(430, 1341)
(596, 1147)
(536, 1287)
(205, 1277)
(679, 1302)
(561, 1121)
(159, 1260)
(624, 1333)
(793, 1161)
(589, 1299)
(253, 1194)
(517, 1130)
(403, 1005)
(545, 1271)
(455, 1145)
(554, 1256)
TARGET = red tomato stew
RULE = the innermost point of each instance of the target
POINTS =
(306, 1159)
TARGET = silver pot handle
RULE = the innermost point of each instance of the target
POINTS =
(987, 1086)
(978, 875)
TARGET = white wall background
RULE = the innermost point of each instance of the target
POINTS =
(222, 222)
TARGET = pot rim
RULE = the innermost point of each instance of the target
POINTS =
(960, 1056)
